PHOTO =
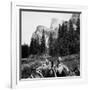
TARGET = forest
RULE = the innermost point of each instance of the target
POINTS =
(68, 42)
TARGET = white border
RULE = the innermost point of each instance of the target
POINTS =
(15, 82)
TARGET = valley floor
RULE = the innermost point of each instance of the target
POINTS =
(43, 67)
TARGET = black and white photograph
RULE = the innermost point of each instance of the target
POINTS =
(49, 44)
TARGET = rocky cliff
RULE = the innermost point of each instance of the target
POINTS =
(39, 32)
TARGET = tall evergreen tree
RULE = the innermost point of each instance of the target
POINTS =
(34, 47)
(43, 43)
(78, 35)
(51, 45)
(71, 29)
(31, 49)
(78, 25)
(73, 39)
(63, 39)
(59, 32)
(59, 39)
(25, 52)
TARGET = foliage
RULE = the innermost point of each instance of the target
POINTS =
(42, 46)
(25, 51)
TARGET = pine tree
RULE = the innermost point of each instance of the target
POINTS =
(31, 49)
(63, 39)
(59, 32)
(74, 37)
(71, 29)
(51, 45)
(43, 43)
(34, 47)
(78, 35)
(25, 51)
(78, 25)
(59, 40)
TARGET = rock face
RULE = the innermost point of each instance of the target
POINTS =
(74, 20)
(39, 32)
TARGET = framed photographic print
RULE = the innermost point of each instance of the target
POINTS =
(47, 45)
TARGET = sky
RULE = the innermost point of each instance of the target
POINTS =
(30, 20)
